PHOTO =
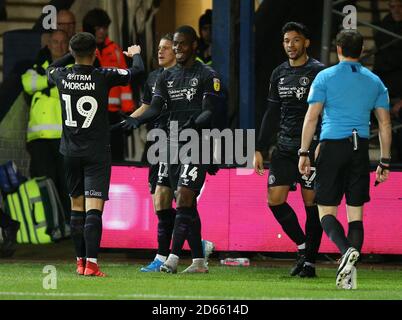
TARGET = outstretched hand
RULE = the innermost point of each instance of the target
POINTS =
(130, 123)
(132, 50)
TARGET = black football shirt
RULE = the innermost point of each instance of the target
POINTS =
(84, 92)
(289, 87)
(184, 89)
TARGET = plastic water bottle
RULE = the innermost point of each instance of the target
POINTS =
(244, 262)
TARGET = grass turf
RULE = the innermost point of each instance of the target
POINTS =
(24, 280)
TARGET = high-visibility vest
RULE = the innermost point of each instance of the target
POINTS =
(121, 97)
(45, 117)
(209, 63)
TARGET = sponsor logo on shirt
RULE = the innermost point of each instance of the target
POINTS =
(93, 193)
(300, 92)
(181, 94)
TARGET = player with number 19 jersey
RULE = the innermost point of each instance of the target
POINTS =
(84, 98)
(85, 141)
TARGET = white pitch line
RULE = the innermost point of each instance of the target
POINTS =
(145, 296)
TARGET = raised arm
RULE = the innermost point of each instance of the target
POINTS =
(137, 66)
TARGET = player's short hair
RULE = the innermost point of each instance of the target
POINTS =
(351, 42)
(168, 36)
(189, 31)
(83, 44)
(296, 26)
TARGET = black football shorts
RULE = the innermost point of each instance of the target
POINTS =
(284, 171)
(342, 171)
(153, 177)
(89, 175)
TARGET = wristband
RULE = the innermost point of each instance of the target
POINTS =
(385, 160)
(302, 153)
(383, 167)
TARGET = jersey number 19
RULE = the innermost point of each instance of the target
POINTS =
(88, 114)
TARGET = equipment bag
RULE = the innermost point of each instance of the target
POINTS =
(35, 206)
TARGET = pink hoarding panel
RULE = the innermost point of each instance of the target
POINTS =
(235, 216)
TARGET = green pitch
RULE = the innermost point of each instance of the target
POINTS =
(23, 280)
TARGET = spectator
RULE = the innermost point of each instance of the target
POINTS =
(204, 42)
(66, 23)
(388, 66)
(45, 122)
(109, 54)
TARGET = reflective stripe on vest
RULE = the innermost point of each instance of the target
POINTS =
(126, 96)
(32, 81)
(114, 101)
(42, 127)
(26, 206)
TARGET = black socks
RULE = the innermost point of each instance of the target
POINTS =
(287, 218)
(356, 234)
(77, 222)
(194, 236)
(165, 230)
(335, 232)
(183, 221)
(313, 233)
(93, 232)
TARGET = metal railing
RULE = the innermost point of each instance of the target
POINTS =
(327, 25)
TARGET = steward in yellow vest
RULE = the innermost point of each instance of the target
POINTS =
(45, 119)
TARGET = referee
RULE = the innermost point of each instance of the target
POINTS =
(345, 94)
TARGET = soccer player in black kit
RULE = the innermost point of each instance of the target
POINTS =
(164, 197)
(190, 90)
(289, 87)
(85, 141)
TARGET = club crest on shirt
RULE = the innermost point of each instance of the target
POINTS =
(194, 82)
(217, 84)
(281, 80)
(170, 84)
(304, 81)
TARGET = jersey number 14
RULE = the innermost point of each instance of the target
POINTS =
(88, 114)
